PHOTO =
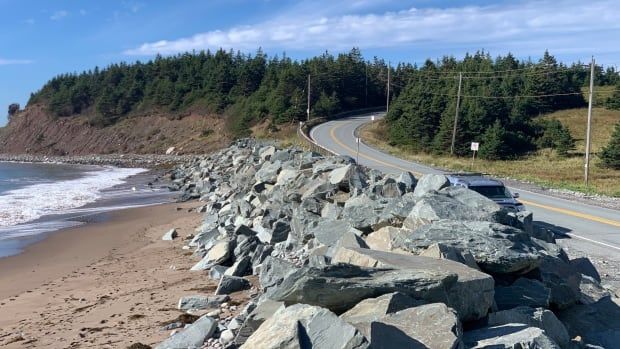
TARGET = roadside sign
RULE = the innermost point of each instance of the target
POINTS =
(372, 118)
(357, 140)
(475, 146)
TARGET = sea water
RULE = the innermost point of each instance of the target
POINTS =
(36, 198)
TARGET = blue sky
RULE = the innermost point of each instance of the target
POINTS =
(40, 39)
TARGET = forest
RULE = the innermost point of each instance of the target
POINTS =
(501, 97)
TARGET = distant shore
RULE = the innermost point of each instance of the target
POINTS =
(118, 160)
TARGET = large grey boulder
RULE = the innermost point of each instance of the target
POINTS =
(259, 314)
(362, 212)
(201, 302)
(430, 182)
(273, 271)
(427, 326)
(328, 231)
(406, 181)
(455, 203)
(240, 267)
(371, 309)
(497, 248)
(218, 254)
(584, 266)
(562, 279)
(452, 253)
(539, 317)
(348, 177)
(193, 336)
(268, 173)
(229, 284)
(387, 239)
(528, 292)
(305, 326)
(510, 336)
(340, 287)
(591, 291)
(598, 323)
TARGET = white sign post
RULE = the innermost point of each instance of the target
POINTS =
(357, 155)
(474, 148)
(372, 118)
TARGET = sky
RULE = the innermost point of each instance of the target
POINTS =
(41, 39)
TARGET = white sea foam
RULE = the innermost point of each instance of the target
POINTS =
(31, 202)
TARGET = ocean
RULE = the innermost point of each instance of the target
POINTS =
(37, 199)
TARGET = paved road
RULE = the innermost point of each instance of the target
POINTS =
(596, 225)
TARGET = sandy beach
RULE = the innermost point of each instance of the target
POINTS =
(103, 285)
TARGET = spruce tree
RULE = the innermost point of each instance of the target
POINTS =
(493, 145)
(610, 155)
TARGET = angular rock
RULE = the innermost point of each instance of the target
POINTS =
(273, 272)
(452, 253)
(562, 279)
(426, 326)
(539, 317)
(430, 182)
(218, 254)
(268, 173)
(170, 235)
(584, 266)
(406, 181)
(591, 291)
(387, 239)
(305, 326)
(527, 292)
(497, 248)
(598, 323)
(201, 302)
(229, 284)
(454, 203)
(239, 268)
(339, 287)
(217, 271)
(372, 309)
(263, 311)
(191, 337)
(510, 336)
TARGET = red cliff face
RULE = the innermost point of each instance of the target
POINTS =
(33, 131)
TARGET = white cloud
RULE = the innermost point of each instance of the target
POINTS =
(29, 21)
(58, 15)
(530, 26)
(14, 61)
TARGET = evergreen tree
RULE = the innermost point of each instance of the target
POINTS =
(493, 145)
(610, 155)
(613, 101)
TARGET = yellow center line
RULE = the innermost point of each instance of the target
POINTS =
(332, 133)
(573, 213)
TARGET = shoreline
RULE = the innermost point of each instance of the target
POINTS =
(101, 284)
(75, 247)
(148, 161)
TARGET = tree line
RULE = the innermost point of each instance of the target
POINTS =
(501, 100)
(246, 88)
(249, 88)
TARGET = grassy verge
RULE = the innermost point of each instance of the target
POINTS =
(544, 167)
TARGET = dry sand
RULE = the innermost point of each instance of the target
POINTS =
(104, 285)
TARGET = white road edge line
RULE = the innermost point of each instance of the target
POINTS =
(575, 236)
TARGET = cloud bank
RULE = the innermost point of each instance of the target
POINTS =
(14, 61)
(561, 26)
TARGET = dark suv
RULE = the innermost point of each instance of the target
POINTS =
(491, 188)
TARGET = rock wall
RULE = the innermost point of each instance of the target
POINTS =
(347, 257)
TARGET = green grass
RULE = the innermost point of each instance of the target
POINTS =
(544, 167)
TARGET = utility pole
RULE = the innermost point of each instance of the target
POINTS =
(387, 104)
(456, 115)
(308, 110)
(366, 84)
(588, 132)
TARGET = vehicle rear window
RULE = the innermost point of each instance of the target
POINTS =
(493, 192)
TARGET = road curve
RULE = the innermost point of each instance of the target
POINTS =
(596, 225)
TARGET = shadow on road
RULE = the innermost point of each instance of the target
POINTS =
(558, 231)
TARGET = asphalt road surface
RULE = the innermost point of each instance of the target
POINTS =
(597, 226)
